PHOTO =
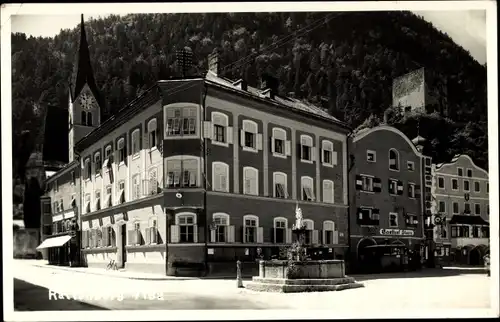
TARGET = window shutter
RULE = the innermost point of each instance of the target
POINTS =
(230, 233)
(272, 143)
(243, 234)
(377, 185)
(335, 237)
(322, 157)
(313, 153)
(288, 236)
(207, 130)
(212, 235)
(212, 127)
(174, 233)
(148, 236)
(260, 235)
(334, 158)
(359, 182)
(195, 233)
(400, 188)
(323, 237)
(288, 148)
(242, 138)
(259, 141)
(229, 134)
(315, 237)
(273, 234)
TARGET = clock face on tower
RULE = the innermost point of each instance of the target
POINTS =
(86, 101)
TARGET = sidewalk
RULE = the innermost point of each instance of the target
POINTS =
(122, 273)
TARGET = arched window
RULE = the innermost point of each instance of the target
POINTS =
(136, 142)
(252, 233)
(98, 163)
(152, 133)
(309, 225)
(328, 191)
(330, 236)
(307, 184)
(250, 181)
(280, 230)
(280, 185)
(393, 160)
(220, 176)
(220, 233)
(220, 124)
(306, 148)
(278, 143)
(249, 135)
(89, 118)
(122, 150)
(84, 118)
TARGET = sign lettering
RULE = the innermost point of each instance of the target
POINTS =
(396, 232)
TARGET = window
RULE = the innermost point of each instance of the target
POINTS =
(152, 133)
(186, 228)
(182, 172)
(280, 227)
(153, 232)
(477, 209)
(371, 156)
(454, 184)
(410, 165)
(220, 176)
(97, 201)
(136, 142)
(460, 172)
(86, 118)
(136, 187)
(328, 233)
(250, 181)
(411, 220)
(250, 225)
(278, 142)
(87, 203)
(87, 168)
(477, 187)
(221, 222)
(306, 148)
(137, 234)
(367, 183)
(309, 225)
(475, 231)
(328, 156)
(107, 152)
(411, 190)
(109, 196)
(393, 219)
(122, 150)
(469, 173)
(307, 184)
(442, 207)
(280, 185)
(466, 185)
(440, 182)
(181, 121)
(121, 192)
(393, 160)
(98, 163)
(61, 207)
(466, 208)
(393, 187)
(328, 191)
(454, 231)
(220, 127)
(153, 181)
(485, 232)
(249, 135)
(455, 207)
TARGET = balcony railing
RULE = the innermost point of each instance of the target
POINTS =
(464, 241)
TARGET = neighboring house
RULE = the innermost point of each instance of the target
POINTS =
(461, 211)
(386, 195)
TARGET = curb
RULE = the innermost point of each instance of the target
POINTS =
(118, 276)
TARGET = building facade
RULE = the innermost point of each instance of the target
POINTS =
(460, 211)
(386, 196)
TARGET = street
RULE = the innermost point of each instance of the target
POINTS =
(432, 289)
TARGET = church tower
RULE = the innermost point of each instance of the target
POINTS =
(85, 102)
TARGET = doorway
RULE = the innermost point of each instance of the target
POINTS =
(475, 257)
(123, 232)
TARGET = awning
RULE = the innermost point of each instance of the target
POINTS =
(468, 220)
(54, 242)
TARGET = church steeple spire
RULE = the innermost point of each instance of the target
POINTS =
(83, 73)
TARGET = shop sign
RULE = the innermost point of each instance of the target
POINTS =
(396, 232)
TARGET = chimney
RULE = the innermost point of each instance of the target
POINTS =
(213, 62)
(241, 84)
(269, 85)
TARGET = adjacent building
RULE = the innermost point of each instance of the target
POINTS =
(386, 197)
(461, 211)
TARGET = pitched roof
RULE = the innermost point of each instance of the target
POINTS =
(84, 73)
(290, 103)
(468, 220)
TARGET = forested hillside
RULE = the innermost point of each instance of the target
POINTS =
(343, 61)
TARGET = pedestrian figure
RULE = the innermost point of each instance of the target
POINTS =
(239, 281)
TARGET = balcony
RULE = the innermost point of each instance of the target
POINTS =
(464, 241)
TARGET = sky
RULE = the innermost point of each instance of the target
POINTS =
(467, 28)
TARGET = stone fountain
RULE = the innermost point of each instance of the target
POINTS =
(297, 273)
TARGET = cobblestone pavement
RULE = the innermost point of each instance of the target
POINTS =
(445, 290)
